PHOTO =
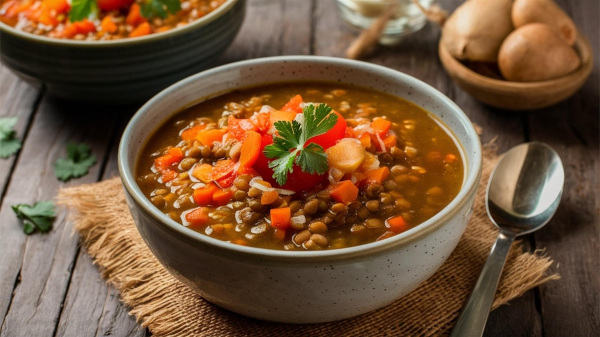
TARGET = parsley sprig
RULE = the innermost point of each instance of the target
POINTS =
(159, 8)
(39, 217)
(78, 162)
(290, 146)
(9, 143)
(83, 9)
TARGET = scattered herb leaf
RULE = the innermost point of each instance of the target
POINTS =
(39, 217)
(159, 8)
(83, 9)
(290, 146)
(79, 160)
(9, 143)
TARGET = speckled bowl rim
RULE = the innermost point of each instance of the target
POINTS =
(127, 41)
(263, 255)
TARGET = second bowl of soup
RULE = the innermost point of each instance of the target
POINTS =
(300, 189)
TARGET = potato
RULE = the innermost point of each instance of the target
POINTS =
(536, 52)
(346, 155)
(477, 28)
(544, 11)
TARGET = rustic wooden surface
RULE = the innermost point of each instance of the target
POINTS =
(49, 287)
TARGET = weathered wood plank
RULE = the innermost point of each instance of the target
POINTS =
(42, 263)
(272, 28)
(17, 99)
(89, 296)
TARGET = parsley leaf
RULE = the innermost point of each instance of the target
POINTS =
(39, 217)
(79, 160)
(83, 9)
(9, 143)
(159, 8)
(290, 146)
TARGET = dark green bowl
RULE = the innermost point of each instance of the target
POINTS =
(120, 71)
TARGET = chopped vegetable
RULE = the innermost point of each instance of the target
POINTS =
(281, 115)
(39, 217)
(203, 172)
(381, 126)
(78, 162)
(9, 143)
(111, 5)
(294, 105)
(192, 133)
(108, 25)
(397, 224)
(134, 17)
(346, 155)
(223, 168)
(222, 197)
(208, 137)
(250, 149)
(141, 30)
(291, 144)
(173, 156)
(239, 127)
(203, 196)
(344, 191)
(281, 217)
(377, 176)
(198, 217)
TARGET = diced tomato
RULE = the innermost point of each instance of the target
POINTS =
(84, 26)
(297, 180)
(168, 175)
(334, 134)
(262, 121)
(238, 127)
(225, 181)
(222, 169)
(294, 104)
(109, 5)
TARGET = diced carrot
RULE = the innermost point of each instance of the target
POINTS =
(294, 104)
(202, 172)
(203, 196)
(218, 228)
(168, 175)
(250, 149)
(173, 156)
(381, 126)
(449, 158)
(247, 170)
(344, 191)
(46, 18)
(141, 30)
(60, 6)
(198, 217)
(279, 234)
(389, 141)
(208, 137)
(222, 169)
(387, 234)
(134, 17)
(108, 25)
(397, 224)
(269, 197)
(282, 115)
(238, 128)
(11, 8)
(191, 133)
(281, 217)
(69, 31)
(162, 29)
(365, 140)
(350, 133)
(222, 197)
(377, 176)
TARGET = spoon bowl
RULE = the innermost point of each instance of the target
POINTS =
(522, 195)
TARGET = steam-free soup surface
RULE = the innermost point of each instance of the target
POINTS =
(237, 168)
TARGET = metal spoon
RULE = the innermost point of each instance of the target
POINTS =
(523, 193)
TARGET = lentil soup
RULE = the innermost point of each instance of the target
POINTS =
(266, 167)
(93, 20)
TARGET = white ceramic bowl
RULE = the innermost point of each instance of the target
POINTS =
(300, 286)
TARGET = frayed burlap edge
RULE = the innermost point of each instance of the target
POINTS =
(160, 302)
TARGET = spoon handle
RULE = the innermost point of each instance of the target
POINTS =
(472, 320)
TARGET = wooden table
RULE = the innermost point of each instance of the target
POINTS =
(49, 287)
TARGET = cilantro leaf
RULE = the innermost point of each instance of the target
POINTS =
(290, 146)
(79, 160)
(39, 217)
(159, 8)
(9, 143)
(83, 9)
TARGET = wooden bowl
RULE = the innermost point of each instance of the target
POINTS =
(519, 95)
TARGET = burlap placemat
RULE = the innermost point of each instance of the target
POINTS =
(100, 215)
